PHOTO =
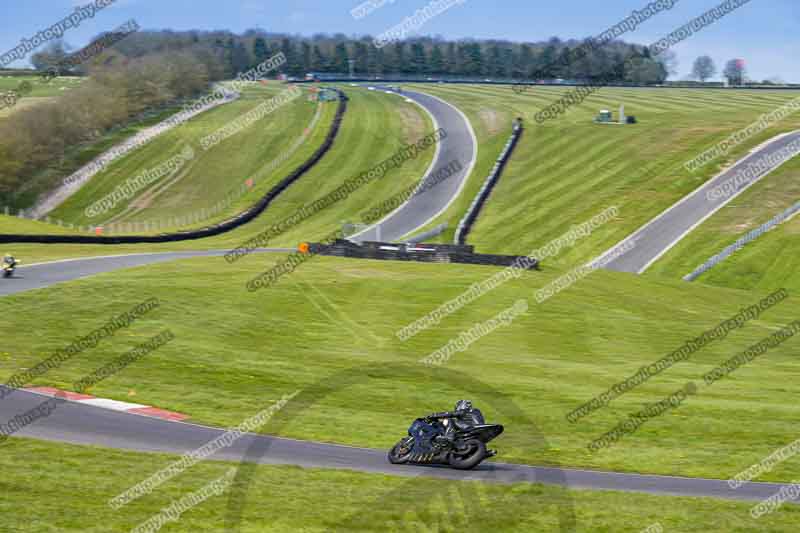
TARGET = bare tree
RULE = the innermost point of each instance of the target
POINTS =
(53, 54)
(704, 68)
(735, 71)
(669, 60)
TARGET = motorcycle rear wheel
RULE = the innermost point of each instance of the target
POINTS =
(401, 452)
(469, 456)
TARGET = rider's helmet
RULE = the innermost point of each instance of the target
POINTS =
(463, 405)
(8, 258)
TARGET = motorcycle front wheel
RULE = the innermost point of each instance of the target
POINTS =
(401, 452)
(468, 455)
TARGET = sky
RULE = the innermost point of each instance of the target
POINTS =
(762, 32)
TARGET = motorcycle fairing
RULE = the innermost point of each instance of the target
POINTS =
(423, 434)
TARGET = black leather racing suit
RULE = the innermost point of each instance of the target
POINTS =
(460, 420)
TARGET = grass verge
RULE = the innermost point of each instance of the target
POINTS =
(72, 484)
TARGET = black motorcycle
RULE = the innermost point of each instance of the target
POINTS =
(426, 445)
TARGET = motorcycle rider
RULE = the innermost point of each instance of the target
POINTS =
(9, 260)
(463, 417)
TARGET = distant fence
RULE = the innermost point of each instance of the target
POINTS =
(425, 253)
(474, 210)
(411, 78)
(223, 227)
(738, 245)
(28, 73)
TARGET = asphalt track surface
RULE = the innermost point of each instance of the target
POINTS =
(37, 276)
(663, 232)
(84, 424)
(459, 145)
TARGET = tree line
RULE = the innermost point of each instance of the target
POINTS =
(420, 56)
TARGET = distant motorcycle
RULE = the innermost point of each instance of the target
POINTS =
(425, 444)
(9, 268)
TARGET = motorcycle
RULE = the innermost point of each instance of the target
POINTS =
(9, 268)
(425, 444)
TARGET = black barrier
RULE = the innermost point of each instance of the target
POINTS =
(230, 224)
(433, 253)
(465, 226)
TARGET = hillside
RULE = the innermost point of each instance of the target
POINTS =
(568, 169)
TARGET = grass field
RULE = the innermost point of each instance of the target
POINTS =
(331, 325)
(271, 154)
(211, 175)
(769, 262)
(568, 169)
(24, 226)
(81, 154)
(376, 124)
(54, 87)
(283, 499)
(41, 91)
(332, 315)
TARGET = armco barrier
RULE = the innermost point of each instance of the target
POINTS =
(739, 244)
(223, 227)
(474, 210)
(425, 235)
(425, 253)
(448, 248)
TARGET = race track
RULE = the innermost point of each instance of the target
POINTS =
(89, 425)
(41, 275)
(459, 145)
(665, 231)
